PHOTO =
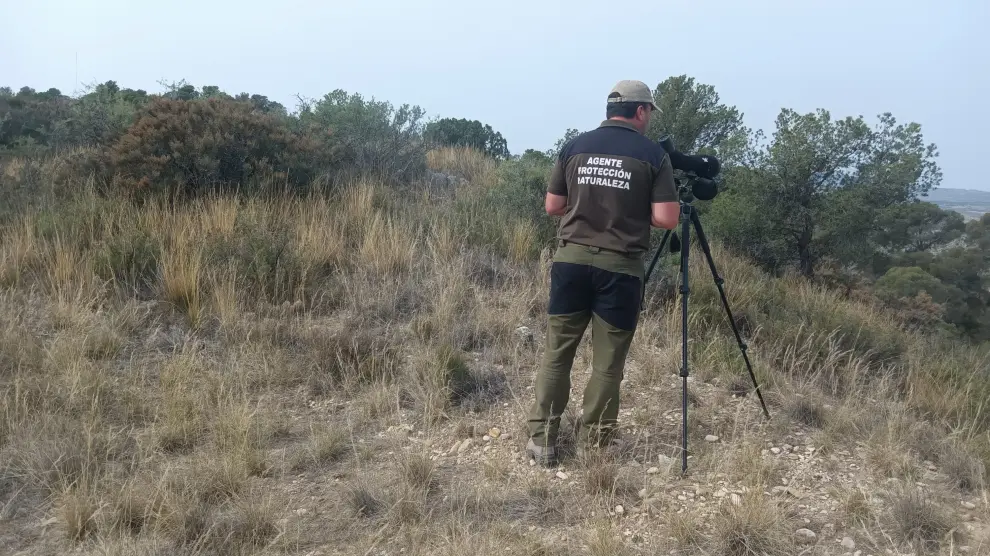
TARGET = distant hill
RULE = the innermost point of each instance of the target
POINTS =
(971, 203)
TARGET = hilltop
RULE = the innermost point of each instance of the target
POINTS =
(971, 203)
(346, 372)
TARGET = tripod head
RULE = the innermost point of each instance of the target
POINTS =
(692, 187)
(696, 173)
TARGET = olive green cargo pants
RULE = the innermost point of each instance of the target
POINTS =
(603, 288)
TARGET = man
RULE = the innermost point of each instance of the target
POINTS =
(609, 185)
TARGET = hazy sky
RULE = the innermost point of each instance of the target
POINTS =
(533, 69)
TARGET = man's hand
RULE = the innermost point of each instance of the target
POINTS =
(665, 215)
(556, 205)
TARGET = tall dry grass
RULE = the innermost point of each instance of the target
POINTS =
(162, 366)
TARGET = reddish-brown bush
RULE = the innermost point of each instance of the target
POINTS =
(188, 146)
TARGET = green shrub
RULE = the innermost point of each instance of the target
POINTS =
(460, 132)
(371, 137)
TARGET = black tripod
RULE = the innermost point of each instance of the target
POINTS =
(689, 215)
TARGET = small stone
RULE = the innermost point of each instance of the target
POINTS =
(532, 462)
(968, 505)
(562, 476)
(301, 512)
(619, 510)
(848, 543)
(643, 493)
(775, 450)
(653, 471)
(525, 335)
(711, 438)
(805, 536)
(486, 438)
(681, 497)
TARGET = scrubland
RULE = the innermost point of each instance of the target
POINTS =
(348, 372)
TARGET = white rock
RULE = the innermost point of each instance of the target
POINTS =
(653, 471)
(805, 536)
(619, 510)
(643, 493)
(775, 450)
(525, 335)
(848, 543)
(968, 505)
(562, 476)
(486, 438)
(711, 438)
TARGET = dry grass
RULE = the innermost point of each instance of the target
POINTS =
(280, 374)
(920, 522)
(755, 527)
(463, 162)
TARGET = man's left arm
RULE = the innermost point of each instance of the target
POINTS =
(665, 203)
(556, 201)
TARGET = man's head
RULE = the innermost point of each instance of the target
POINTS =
(632, 102)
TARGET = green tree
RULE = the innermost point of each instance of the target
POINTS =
(536, 157)
(371, 136)
(29, 120)
(817, 190)
(917, 226)
(98, 117)
(697, 121)
(978, 234)
(467, 133)
(964, 269)
(571, 133)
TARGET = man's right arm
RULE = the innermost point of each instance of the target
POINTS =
(665, 201)
(556, 200)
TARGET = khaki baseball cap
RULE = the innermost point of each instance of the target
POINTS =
(629, 90)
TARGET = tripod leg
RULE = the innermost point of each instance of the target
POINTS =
(653, 263)
(725, 304)
(686, 210)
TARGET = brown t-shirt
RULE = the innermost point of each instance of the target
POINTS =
(611, 175)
